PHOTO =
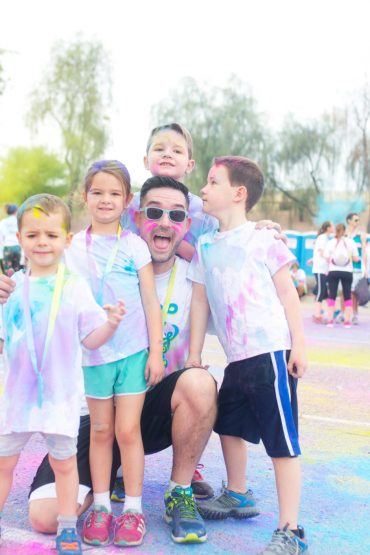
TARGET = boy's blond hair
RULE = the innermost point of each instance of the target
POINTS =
(245, 172)
(48, 204)
(174, 126)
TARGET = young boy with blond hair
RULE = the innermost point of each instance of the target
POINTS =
(49, 314)
(243, 277)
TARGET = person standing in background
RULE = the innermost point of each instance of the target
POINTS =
(360, 268)
(11, 250)
(320, 268)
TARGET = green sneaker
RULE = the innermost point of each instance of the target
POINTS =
(182, 515)
(229, 504)
(285, 542)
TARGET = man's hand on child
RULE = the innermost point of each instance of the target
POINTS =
(154, 370)
(297, 364)
(115, 313)
(7, 287)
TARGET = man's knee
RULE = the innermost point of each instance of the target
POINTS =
(197, 387)
(43, 515)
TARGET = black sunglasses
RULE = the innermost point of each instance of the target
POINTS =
(176, 216)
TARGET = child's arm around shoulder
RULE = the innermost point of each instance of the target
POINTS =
(154, 370)
(288, 296)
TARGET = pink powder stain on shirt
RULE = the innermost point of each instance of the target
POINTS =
(229, 319)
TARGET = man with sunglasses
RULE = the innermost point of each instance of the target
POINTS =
(360, 268)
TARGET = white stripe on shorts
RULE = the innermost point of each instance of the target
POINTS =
(278, 399)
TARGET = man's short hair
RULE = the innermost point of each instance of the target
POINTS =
(245, 172)
(160, 182)
(180, 129)
(48, 204)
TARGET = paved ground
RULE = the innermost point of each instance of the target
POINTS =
(335, 439)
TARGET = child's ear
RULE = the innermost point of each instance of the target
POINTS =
(84, 196)
(19, 237)
(69, 239)
(146, 164)
(190, 166)
(241, 194)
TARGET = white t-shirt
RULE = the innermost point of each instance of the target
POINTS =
(176, 329)
(122, 282)
(200, 222)
(320, 264)
(330, 253)
(236, 268)
(78, 315)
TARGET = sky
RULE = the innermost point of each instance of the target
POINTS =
(297, 56)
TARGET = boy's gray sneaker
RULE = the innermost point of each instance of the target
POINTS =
(229, 504)
(285, 542)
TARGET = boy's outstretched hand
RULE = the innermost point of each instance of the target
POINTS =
(115, 313)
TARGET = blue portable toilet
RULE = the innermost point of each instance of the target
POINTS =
(308, 242)
(295, 243)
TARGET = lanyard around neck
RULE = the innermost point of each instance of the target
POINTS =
(57, 293)
(98, 284)
(167, 300)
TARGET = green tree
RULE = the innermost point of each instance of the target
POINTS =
(25, 172)
(75, 95)
(307, 154)
(359, 157)
(221, 120)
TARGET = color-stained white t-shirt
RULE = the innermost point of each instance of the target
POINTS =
(200, 222)
(78, 315)
(121, 282)
(236, 268)
(330, 253)
(176, 329)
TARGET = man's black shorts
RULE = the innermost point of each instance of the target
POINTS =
(156, 423)
(258, 400)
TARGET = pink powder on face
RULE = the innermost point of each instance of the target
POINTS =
(176, 227)
(149, 226)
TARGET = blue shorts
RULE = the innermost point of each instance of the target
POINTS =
(121, 377)
(258, 400)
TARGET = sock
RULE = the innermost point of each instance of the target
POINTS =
(173, 484)
(66, 522)
(132, 504)
(103, 500)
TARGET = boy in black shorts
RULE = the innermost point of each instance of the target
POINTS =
(243, 276)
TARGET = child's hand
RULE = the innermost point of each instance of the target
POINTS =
(154, 370)
(115, 313)
(7, 286)
(1, 346)
(195, 362)
(261, 224)
(297, 364)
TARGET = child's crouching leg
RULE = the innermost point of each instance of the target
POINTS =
(7, 466)
(66, 483)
